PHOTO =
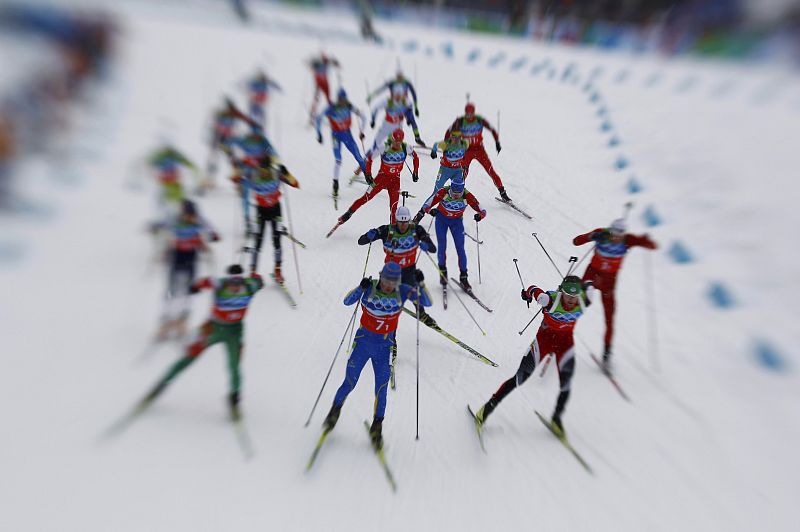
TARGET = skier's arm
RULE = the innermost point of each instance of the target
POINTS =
(361, 119)
(488, 126)
(640, 241)
(374, 111)
(419, 292)
(318, 120)
(472, 201)
(207, 229)
(288, 178)
(439, 196)
(455, 125)
(436, 146)
(415, 158)
(534, 292)
(413, 94)
(377, 91)
(202, 284)
(271, 83)
(254, 282)
(380, 233)
(355, 294)
(425, 242)
(592, 236)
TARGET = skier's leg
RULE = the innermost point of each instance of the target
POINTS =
(394, 196)
(441, 179)
(566, 369)
(380, 366)
(358, 357)
(206, 337)
(351, 145)
(275, 218)
(483, 158)
(233, 343)
(526, 368)
(468, 158)
(441, 241)
(337, 157)
(372, 191)
(609, 304)
(457, 230)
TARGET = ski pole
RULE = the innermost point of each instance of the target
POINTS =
(330, 369)
(536, 236)
(363, 274)
(628, 206)
(418, 306)
(652, 325)
(294, 245)
(529, 323)
(521, 282)
(572, 261)
(459, 298)
(478, 247)
(404, 194)
(546, 363)
(584, 256)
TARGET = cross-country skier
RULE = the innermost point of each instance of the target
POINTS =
(222, 135)
(454, 147)
(395, 111)
(340, 117)
(471, 126)
(560, 312)
(381, 304)
(401, 242)
(611, 245)
(393, 154)
(232, 295)
(319, 67)
(399, 85)
(258, 91)
(249, 148)
(452, 201)
(264, 181)
(166, 162)
(189, 233)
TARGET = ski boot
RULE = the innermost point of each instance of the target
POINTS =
(375, 433)
(278, 275)
(443, 275)
(419, 141)
(484, 411)
(558, 426)
(332, 418)
(233, 404)
(335, 188)
(607, 360)
(426, 318)
(155, 392)
(346, 216)
(503, 195)
(464, 281)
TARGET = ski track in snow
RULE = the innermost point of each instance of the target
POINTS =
(706, 444)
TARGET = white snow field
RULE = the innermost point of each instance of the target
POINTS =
(709, 441)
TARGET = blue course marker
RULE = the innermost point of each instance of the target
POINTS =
(621, 163)
(768, 356)
(447, 50)
(497, 59)
(651, 217)
(634, 186)
(519, 63)
(473, 55)
(679, 253)
(410, 46)
(605, 126)
(720, 295)
(613, 141)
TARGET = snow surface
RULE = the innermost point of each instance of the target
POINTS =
(708, 442)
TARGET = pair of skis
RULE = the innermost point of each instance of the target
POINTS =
(555, 431)
(379, 453)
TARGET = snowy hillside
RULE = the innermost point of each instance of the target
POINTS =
(708, 441)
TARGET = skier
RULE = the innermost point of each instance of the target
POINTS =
(393, 156)
(396, 110)
(450, 169)
(264, 180)
(381, 304)
(452, 201)
(398, 86)
(319, 67)
(223, 134)
(401, 241)
(251, 147)
(471, 126)
(166, 161)
(560, 312)
(611, 245)
(339, 116)
(258, 90)
(232, 295)
(189, 233)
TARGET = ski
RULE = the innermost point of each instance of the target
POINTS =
(316, 449)
(125, 421)
(392, 382)
(444, 296)
(335, 201)
(242, 436)
(334, 228)
(513, 206)
(382, 459)
(285, 291)
(565, 442)
(471, 294)
(455, 340)
(478, 427)
(610, 377)
(473, 238)
(291, 237)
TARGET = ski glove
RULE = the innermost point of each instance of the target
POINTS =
(433, 212)
(414, 177)
(361, 135)
(433, 154)
(416, 112)
(419, 216)
(497, 145)
(543, 299)
(367, 237)
(365, 283)
(419, 276)
(319, 137)
(526, 296)
(372, 123)
(480, 215)
(214, 237)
